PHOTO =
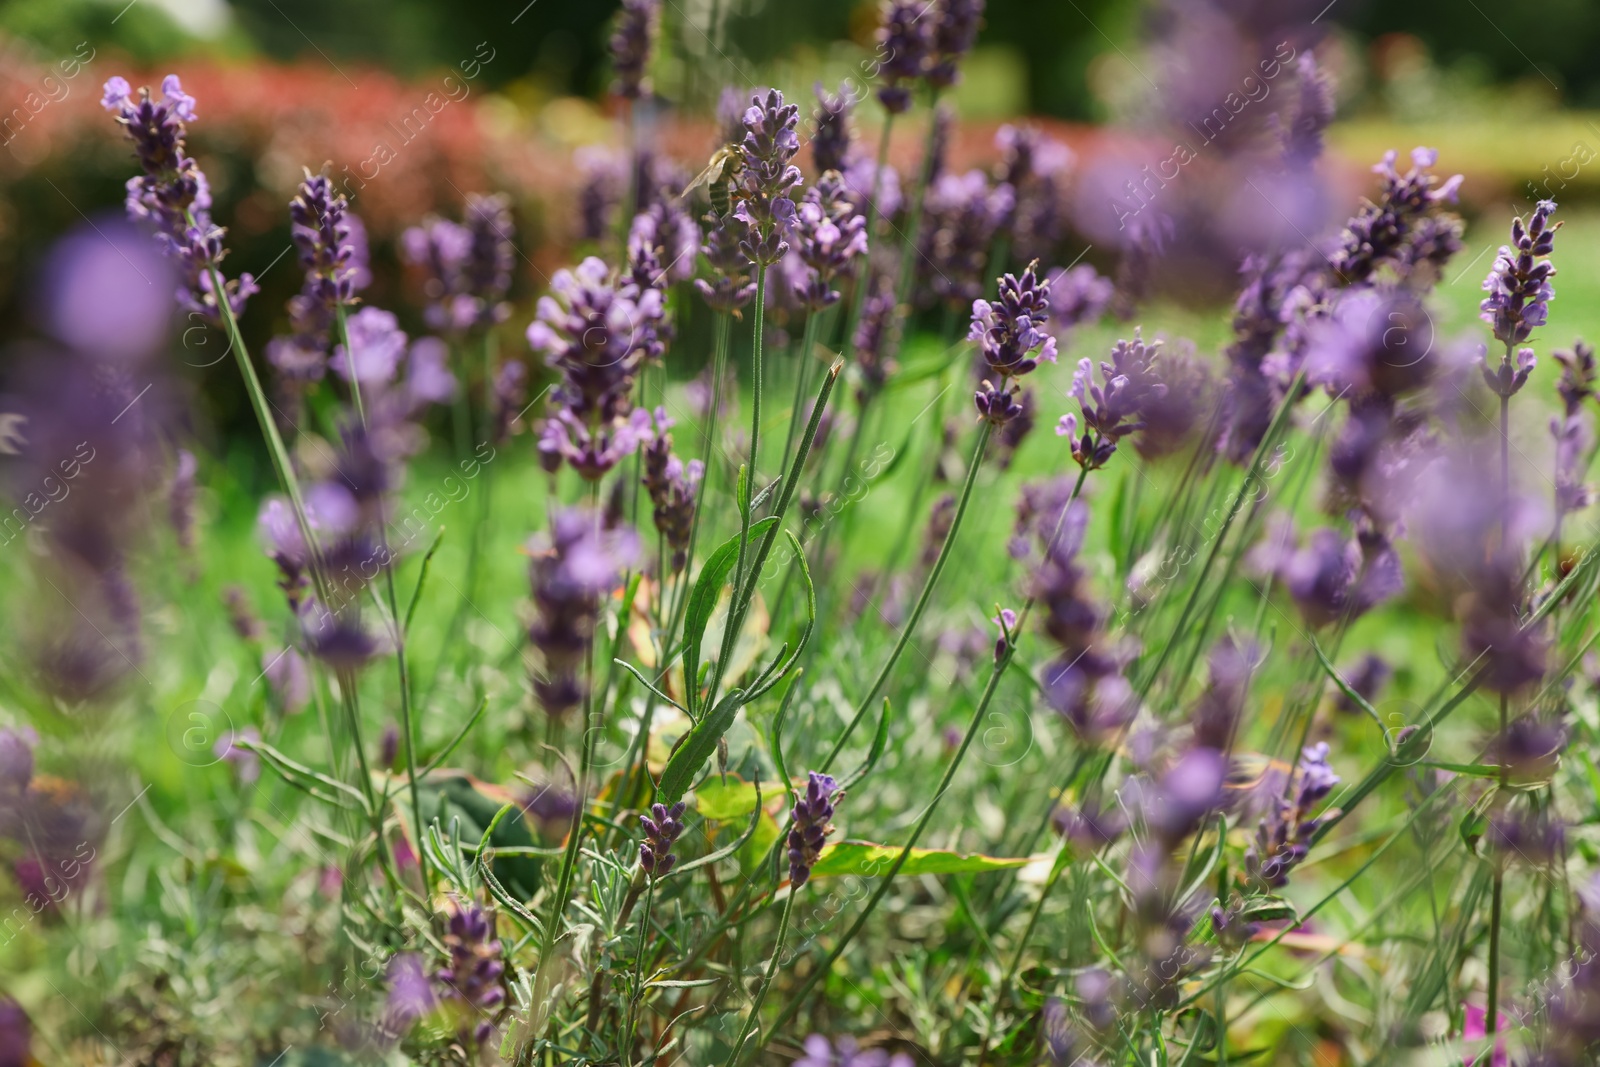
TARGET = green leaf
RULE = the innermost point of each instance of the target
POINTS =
(756, 850)
(703, 599)
(868, 859)
(696, 747)
(724, 801)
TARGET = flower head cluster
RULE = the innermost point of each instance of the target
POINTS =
(813, 810)
(1313, 112)
(631, 43)
(1332, 576)
(662, 828)
(1273, 287)
(1083, 682)
(473, 980)
(574, 565)
(1473, 537)
(1519, 282)
(172, 195)
(730, 287)
(962, 214)
(768, 179)
(1405, 227)
(1284, 836)
(830, 144)
(1033, 165)
(332, 245)
(1116, 409)
(829, 235)
(955, 28)
(674, 489)
(466, 267)
(51, 820)
(905, 46)
(594, 333)
(873, 366)
(1012, 340)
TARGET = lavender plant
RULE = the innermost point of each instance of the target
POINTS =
(1245, 719)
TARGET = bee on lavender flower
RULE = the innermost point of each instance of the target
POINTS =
(718, 177)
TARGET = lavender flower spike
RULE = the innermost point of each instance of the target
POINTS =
(1284, 837)
(674, 489)
(1116, 410)
(630, 46)
(573, 566)
(830, 145)
(954, 31)
(905, 41)
(473, 980)
(830, 235)
(172, 195)
(769, 178)
(662, 828)
(1012, 340)
(812, 810)
(1519, 282)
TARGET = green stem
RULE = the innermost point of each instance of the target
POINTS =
(638, 975)
(826, 965)
(800, 385)
(923, 597)
(753, 1019)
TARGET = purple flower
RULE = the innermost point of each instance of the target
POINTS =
(866, 181)
(604, 179)
(93, 292)
(16, 759)
(768, 179)
(1116, 409)
(1083, 683)
(1332, 576)
(1273, 287)
(1313, 112)
(731, 286)
(428, 377)
(466, 267)
(662, 827)
(1011, 339)
(410, 996)
(842, 1051)
(289, 678)
(962, 214)
(1519, 283)
(473, 980)
(594, 334)
(1173, 420)
(674, 489)
(873, 367)
(320, 227)
(830, 143)
(1078, 297)
(377, 346)
(172, 195)
(1368, 677)
(1007, 621)
(813, 809)
(905, 46)
(1376, 342)
(631, 43)
(574, 565)
(1217, 713)
(829, 235)
(955, 28)
(1577, 376)
(1284, 836)
(1404, 228)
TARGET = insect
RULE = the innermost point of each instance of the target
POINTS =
(725, 165)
